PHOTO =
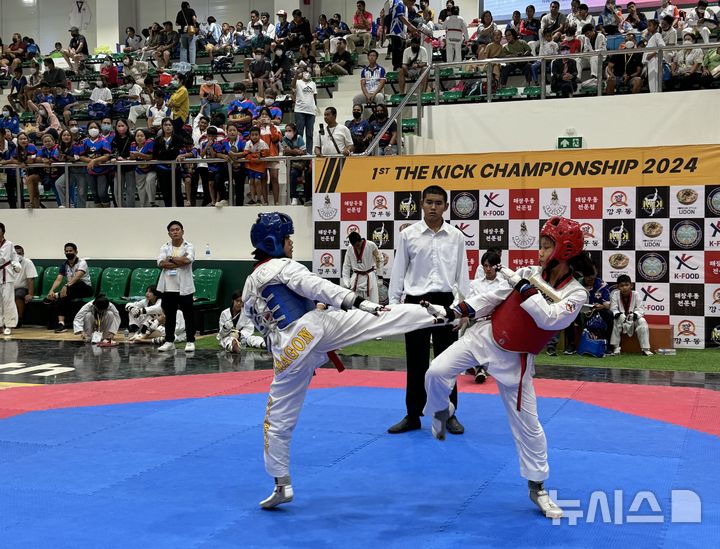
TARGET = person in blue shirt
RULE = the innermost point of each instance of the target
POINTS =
(235, 151)
(48, 154)
(282, 27)
(96, 151)
(7, 151)
(213, 146)
(24, 154)
(17, 90)
(242, 111)
(63, 100)
(360, 130)
(293, 144)
(276, 112)
(70, 147)
(10, 120)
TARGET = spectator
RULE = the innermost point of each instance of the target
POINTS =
(530, 26)
(210, 95)
(48, 154)
(236, 329)
(133, 42)
(74, 272)
(52, 77)
(305, 59)
(426, 29)
(137, 70)
(335, 139)
(322, 35)
(273, 107)
(167, 44)
(7, 156)
(64, 102)
(18, 83)
(515, 48)
(628, 316)
(109, 73)
(398, 25)
(242, 110)
(305, 99)
(148, 308)
(372, 83)
(77, 49)
(145, 176)
(282, 27)
(610, 18)
(157, 112)
(97, 321)
(625, 69)
(121, 144)
(101, 94)
(258, 72)
(255, 150)
(670, 37)
(169, 146)
(699, 22)
(10, 120)
(213, 146)
(574, 43)
(298, 31)
(387, 146)
(636, 18)
(179, 104)
(24, 154)
(360, 129)
(564, 73)
(456, 34)
(579, 20)
(444, 13)
(282, 69)
(428, 246)
(71, 147)
(268, 28)
(293, 145)
(97, 151)
(235, 150)
(547, 47)
(485, 30)
(214, 32)
(10, 267)
(554, 20)
(514, 22)
(414, 61)
(340, 30)
(667, 9)
(651, 58)
(259, 39)
(23, 282)
(187, 22)
(15, 53)
(272, 136)
(361, 27)
(341, 62)
(594, 41)
(176, 284)
(710, 67)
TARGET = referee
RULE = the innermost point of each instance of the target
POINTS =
(430, 262)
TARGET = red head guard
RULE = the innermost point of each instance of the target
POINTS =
(566, 234)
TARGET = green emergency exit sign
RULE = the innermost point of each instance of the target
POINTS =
(569, 142)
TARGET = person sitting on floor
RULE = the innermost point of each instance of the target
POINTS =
(236, 329)
(97, 321)
(146, 309)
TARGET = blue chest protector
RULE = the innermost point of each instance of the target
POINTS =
(285, 305)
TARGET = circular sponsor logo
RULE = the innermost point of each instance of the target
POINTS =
(464, 205)
(687, 234)
(326, 260)
(380, 203)
(686, 328)
(713, 201)
(716, 297)
(588, 230)
(687, 197)
(618, 198)
(352, 229)
(652, 266)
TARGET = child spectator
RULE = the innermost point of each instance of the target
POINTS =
(628, 316)
(255, 150)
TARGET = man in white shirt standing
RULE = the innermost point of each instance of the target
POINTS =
(430, 265)
(651, 58)
(8, 264)
(177, 286)
(335, 138)
(23, 282)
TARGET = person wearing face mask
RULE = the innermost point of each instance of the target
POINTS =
(53, 77)
(293, 145)
(10, 120)
(97, 321)
(7, 156)
(77, 49)
(360, 130)
(387, 145)
(281, 71)
(210, 96)
(242, 110)
(23, 282)
(101, 94)
(9, 263)
(700, 22)
(96, 153)
(625, 69)
(305, 100)
(686, 68)
(258, 71)
(281, 27)
(109, 73)
(76, 279)
(269, 102)
(272, 136)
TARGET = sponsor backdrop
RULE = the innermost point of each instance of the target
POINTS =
(651, 213)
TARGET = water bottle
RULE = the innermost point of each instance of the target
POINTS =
(126, 334)
(208, 253)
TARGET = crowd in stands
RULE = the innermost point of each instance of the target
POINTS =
(282, 62)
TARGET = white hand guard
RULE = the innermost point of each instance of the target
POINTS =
(228, 326)
(16, 266)
(135, 311)
(369, 307)
(129, 306)
(512, 277)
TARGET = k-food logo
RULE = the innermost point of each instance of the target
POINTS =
(648, 294)
(464, 229)
(490, 199)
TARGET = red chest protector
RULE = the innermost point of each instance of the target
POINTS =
(514, 330)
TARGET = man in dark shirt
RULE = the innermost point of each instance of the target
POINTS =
(185, 19)
(341, 63)
(625, 69)
(169, 39)
(259, 72)
(360, 130)
(77, 49)
(299, 31)
(53, 77)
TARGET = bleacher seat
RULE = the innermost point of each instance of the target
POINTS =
(207, 290)
(114, 283)
(38, 280)
(140, 279)
(49, 276)
(95, 274)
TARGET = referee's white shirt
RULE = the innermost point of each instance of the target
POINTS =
(427, 261)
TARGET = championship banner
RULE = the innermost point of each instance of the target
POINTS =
(650, 213)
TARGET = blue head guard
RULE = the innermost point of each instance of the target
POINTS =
(269, 232)
(596, 323)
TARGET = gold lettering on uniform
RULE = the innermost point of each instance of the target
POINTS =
(291, 353)
(305, 335)
(298, 344)
(266, 424)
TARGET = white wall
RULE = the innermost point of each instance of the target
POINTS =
(643, 120)
(138, 234)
